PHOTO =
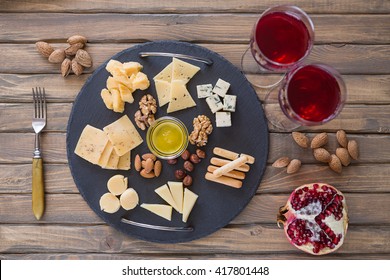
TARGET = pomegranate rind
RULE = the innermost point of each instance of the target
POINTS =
(312, 219)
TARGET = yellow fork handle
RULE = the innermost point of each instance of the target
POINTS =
(38, 190)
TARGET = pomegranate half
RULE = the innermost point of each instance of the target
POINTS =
(315, 218)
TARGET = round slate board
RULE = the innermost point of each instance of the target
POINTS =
(217, 204)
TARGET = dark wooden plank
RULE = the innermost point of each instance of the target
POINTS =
(232, 28)
(17, 88)
(72, 209)
(248, 239)
(19, 146)
(362, 178)
(199, 6)
(348, 59)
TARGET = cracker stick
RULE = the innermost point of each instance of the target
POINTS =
(234, 183)
(231, 155)
(230, 166)
(232, 174)
(221, 162)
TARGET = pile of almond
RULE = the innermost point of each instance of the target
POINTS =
(347, 151)
(72, 58)
(147, 165)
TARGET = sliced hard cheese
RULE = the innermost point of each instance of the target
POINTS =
(161, 210)
(165, 74)
(176, 189)
(188, 203)
(107, 98)
(183, 71)
(117, 103)
(131, 67)
(165, 194)
(105, 157)
(140, 81)
(112, 161)
(112, 65)
(91, 144)
(180, 97)
(123, 135)
(126, 93)
(124, 162)
(163, 89)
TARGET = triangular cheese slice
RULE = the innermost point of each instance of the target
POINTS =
(161, 210)
(180, 97)
(163, 89)
(183, 71)
(91, 144)
(165, 194)
(188, 203)
(124, 162)
(165, 74)
(176, 189)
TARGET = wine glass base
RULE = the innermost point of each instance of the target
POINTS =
(274, 113)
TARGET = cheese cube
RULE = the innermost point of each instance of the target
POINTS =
(223, 119)
(221, 87)
(204, 90)
(229, 103)
(214, 103)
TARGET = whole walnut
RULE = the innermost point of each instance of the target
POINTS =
(202, 128)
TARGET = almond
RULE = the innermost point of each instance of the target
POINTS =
(77, 39)
(293, 166)
(335, 164)
(301, 139)
(149, 165)
(319, 140)
(137, 163)
(66, 67)
(72, 49)
(146, 175)
(281, 162)
(342, 138)
(57, 56)
(343, 155)
(77, 68)
(149, 155)
(353, 149)
(157, 168)
(44, 48)
(83, 58)
(322, 155)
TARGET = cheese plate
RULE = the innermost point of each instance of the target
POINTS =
(216, 205)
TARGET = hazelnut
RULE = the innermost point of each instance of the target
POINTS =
(200, 153)
(172, 161)
(187, 181)
(194, 158)
(180, 174)
(185, 155)
(188, 166)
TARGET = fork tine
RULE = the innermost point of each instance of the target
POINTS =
(35, 103)
(40, 103)
(44, 104)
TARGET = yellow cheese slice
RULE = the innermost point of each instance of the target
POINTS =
(123, 135)
(180, 97)
(112, 161)
(104, 158)
(188, 203)
(182, 70)
(176, 189)
(165, 194)
(161, 210)
(124, 161)
(91, 144)
(165, 74)
(163, 89)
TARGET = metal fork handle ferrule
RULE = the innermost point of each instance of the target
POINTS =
(37, 152)
(184, 56)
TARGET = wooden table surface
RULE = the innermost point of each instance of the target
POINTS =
(351, 35)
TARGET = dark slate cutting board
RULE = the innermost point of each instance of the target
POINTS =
(217, 204)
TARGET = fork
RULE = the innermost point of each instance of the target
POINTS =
(38, 123)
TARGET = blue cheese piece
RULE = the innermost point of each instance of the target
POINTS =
(229, 103)
(221, 87)
(223, 119)
(214, 103)
(204, 90)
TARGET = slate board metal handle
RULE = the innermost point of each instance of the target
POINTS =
(184, 56)
(123, 220)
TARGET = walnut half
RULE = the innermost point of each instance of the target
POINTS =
(144, 117)
(202, 128)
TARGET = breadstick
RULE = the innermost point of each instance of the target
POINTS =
(221, 162)
(230, 166)
(232, 174)
(231, 155)
(234, 183)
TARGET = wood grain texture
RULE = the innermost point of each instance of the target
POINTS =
(232, 28)
(17, 88)
(246, 239)
(198, 6)
(347, 58)
(72, 209)
(19, 147)
(362, 178)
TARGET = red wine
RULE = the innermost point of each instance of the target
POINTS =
(313, 93)
(282, 38)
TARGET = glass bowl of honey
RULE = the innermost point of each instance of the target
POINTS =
(167, 137)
